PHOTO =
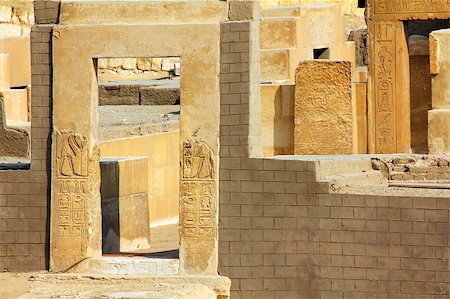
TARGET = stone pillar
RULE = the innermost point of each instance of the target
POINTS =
(388, 102)
(323, 113)
(439, 116)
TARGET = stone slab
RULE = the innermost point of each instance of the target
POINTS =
(323, 115)
(439, 131)
(275, 65)
(159, 96)
(277, 119)
(276, 33)
(16, 104)
(13, 142)
(142, 12)
(19, 52)
(5, 79)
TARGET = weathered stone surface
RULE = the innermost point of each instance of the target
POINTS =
(112, 94)
(274, 65)
(13, 142)
(276, 33)
(5, 13)
(159, 96)
(361, 51)
(323, 114)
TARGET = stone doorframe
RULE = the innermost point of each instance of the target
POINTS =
(75, 232)
(388, 94)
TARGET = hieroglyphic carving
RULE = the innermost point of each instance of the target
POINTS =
(71, 183)
(385, 87)
(198, 206)
(407, 6)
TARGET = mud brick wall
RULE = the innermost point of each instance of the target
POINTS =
(46, 11)
(281, 235)
(24, 194)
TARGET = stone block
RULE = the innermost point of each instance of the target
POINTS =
(277, 119)
(10, 30)
(323, 115)
(275, 65)
(159, 96)
(144, 64)
(129, 64)
(125, 223)
(5, 13)
(16, 105)
(115, 94)
(439, 131)
(19, 51)
(277, 33)
(5, 81)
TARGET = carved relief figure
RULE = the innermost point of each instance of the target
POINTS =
(197, 161)
(72, 154)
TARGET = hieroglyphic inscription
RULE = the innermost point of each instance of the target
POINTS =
(198, 206)
(385, 87)
(71, 183)
(407, 6)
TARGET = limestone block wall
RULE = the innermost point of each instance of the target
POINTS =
(24, 194)
(281, 235)
(16, 17)
(114, 69)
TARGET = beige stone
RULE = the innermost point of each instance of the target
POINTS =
(199, 129)
(162, 155)
(275, 65)
(5, 13)
(16, 105)
(19, 51)
(276, 33)
(439, 131)
(10, 30)
(125, 222)
(277, 119)
(323, 116)
(144, 64)
(13, 142)
(115, 62)
(5, 81)
(129, 63)
(143, 12)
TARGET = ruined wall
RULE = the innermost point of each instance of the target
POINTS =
(281, 235)
(24, 194)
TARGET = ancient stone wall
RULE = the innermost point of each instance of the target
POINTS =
(282, 235)
(24, 194)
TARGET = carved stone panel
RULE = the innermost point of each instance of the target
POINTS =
(71, 183)
(198, 205)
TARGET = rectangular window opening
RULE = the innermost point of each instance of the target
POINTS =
(322, 53)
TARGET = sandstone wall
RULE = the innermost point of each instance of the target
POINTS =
(16, 17)
(282, 235)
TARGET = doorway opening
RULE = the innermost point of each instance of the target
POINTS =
(139, 132)
(417, 34)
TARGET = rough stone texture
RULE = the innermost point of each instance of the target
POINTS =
(125, 216)
(47, 11)
(414, 167)
(118, 94)
(13, 142)
(323, 113)
(159, 96)
(276, 33)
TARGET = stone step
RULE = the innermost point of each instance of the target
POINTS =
(127, 266)
(363, 178)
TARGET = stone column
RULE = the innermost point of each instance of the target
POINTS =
(388, 103)
(439, 116)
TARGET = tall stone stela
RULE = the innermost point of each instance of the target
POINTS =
(323, 115)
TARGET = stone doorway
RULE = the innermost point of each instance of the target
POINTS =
(139, 132)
